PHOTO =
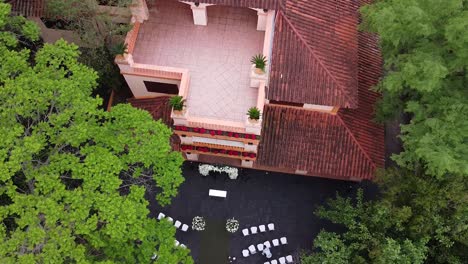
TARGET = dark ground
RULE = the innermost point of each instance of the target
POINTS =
(255, 198)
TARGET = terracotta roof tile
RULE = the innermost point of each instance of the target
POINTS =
(158, 107)
(319, 143)
(348, 145)
(314, 58)
(264, 4)
(34, 8)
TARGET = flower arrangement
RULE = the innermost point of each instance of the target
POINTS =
(205, 169)
(198, 223)
(214, 132)
(232, 225)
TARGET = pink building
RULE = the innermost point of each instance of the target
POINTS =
(316, 106)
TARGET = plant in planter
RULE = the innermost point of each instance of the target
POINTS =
(260, 62)
(119, 49)
(232, 225)
(254, 114)
(177, 103)
(198, 223)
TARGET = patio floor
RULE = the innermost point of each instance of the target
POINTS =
(217, 55)
(255, 198)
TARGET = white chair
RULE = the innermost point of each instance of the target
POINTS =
(170, 219)
(282, 260)
(262, 228)
(252, 249)
(177, 224)
(274, 261)
(245, 253)
(275, 242)
(271, 227)
(253, 230)
(177, 243)
(183, 246)
(283, 240)
(184, 227)
(161, 216)
(260, 247)
(155, 256)
(289, 259)
(245, 232)
(267, 262)
(267, 244)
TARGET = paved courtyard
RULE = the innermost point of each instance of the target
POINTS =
(255, 198)
(217, 55)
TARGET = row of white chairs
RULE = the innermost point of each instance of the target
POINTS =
(254, 230)
(252, 250)
(282, 260)
(177, 223)
(178, 244)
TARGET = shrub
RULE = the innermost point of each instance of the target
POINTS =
(177, 102)
(254, 113)
(260, 61)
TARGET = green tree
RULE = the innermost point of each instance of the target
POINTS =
(73, 177)
(425, 50)
(417, 219)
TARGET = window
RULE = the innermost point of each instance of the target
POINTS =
(165, 88)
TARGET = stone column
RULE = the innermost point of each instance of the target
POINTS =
(199, 14)
(139, 10)
(192, 156)
(261, 20)
(247, 163)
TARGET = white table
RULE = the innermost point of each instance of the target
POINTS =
(217, 193)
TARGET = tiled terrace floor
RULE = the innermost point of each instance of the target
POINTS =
(217, 55)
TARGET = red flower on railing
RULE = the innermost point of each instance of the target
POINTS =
(216, 132)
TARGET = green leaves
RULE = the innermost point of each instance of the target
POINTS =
(72, 176)
(425, 49)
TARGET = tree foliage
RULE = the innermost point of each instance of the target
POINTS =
(425, 50)
(73, 177)
(417, 220)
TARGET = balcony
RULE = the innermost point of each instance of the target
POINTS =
(209, 64)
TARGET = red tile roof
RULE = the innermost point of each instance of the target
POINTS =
(314, 58)
(158, 107)
(34, 8)
(264, 4)
(345, 146)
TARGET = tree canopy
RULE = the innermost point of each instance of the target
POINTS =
(425, 50)
(72, 176)
(417, 220)
(421, 215)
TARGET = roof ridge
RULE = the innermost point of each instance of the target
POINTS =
(356, 141)
(320, 62)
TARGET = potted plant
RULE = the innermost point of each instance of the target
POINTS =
(254, 114)
(259, 61)
(177, 103)
(232, 225)
(198, 223)
(119, 49)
